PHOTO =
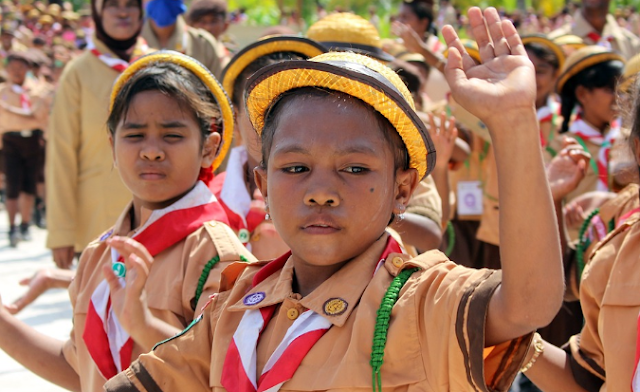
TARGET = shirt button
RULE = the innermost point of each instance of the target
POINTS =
(293, 313)
(397, 262)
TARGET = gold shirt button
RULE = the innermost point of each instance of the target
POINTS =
(293, 313)
(397, 262)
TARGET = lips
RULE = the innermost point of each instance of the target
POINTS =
(151, 175)
(321, 225)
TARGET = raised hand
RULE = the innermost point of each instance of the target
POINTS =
(505, 81)
(566, 170)
(443, 133)
(41, 281)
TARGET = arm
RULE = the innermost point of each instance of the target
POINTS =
(41, 281)
(416, 45)
(501, 92)
(63, 143)
(37, 352)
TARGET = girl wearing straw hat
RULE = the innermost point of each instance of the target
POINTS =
(147, 277)
(343, 150)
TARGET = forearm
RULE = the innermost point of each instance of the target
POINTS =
(441, 179)
(552, 373)
(562, 227)
(432, 59)
(37, 352)
(532, 281)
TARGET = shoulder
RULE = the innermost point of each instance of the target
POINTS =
(204, 37)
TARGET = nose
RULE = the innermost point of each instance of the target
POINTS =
(322, 191)
(152, 152)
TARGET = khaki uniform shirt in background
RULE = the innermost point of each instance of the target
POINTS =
(40, 98)
(426, 201)
(85, 194)
(621, 40)
(170, 287)
(200, 45)
(435, 338)
(602, 356)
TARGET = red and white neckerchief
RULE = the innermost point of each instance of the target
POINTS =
(239, 372)
(117, 63)
(600, 40)
(109, 345)
(546, 114)
(583, 131)
(25, 101)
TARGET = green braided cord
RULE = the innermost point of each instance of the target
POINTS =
(582, 245)
(205, 275)
(382, 325)
(612, 225)
(451, 239)
(551, 151)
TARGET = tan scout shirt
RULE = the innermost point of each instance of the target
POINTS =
(426, 201)
(84, 191)
(170, 287)
(602, 356)
(36, 117)
(193, 42)
(621, 40)
(435, 337)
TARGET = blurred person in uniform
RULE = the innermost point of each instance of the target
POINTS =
(165, 28)
(211, 16)
(23, 115)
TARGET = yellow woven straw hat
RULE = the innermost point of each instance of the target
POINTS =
(278, 43)
(544, 41)
(195, 67)
(583, 59)
(350, 73)
(631, 69)
(347, 32)
(472, 49)
(570, 40)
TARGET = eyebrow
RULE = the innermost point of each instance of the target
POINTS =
(354, 149)
(168, 124)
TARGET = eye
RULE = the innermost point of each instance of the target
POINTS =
(355, 169)
(295, 169)
(133, 136)
(173, 136)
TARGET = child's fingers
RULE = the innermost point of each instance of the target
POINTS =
(128, 246)
(494, 25)
(479, 28)
(513, 38)
(454, 71)
(432, 125)
(111, 278)
(137, 274)
(453, 41)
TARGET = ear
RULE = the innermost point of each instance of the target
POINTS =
(582, 94)
(260, 177)
(210, 149)
(406, 183)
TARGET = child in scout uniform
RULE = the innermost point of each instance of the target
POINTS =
(334, 173)
(604, 356)
(235, 188)
(147, 277)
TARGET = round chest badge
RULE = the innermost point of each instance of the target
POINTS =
(243, 235)
(119, 269)
(335, 306)
(253, 299)
(470, 200)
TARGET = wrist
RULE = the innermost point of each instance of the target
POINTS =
(536, 349)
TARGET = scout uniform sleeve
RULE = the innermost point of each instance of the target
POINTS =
(586, 352)
(208, 46)
(62, 161)
(453, 302)
(426, 201)
(181, 363)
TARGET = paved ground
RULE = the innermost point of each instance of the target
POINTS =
(50, 314)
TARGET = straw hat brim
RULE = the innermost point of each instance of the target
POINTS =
(357, 80)
(367, 50)
(263, 47)
(584, 63)
(542, 40)
(223, 101)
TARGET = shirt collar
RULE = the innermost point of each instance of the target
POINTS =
(335, 298)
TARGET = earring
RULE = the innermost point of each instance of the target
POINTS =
(266, 208)
(401, 214)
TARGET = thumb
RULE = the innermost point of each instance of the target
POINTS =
(25, 281)
(453, 70)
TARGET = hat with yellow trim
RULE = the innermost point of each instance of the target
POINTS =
(305, 47)
(347, 32)
(544, 41)
(350, 73)
(205, 76)
(570, 40)
(630, 74)
(583, 59)
(471, 47)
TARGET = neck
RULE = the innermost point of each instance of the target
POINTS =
(248, 179)
(595, 17)
(542, 101)
(309, 277)
(594, 122)
(163, 34)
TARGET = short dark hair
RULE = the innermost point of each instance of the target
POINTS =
(601, 75)
(544, 53)
(202, 8)
(176, 82)
(272, 120)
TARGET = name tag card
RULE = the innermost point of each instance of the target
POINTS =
(469, 198)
